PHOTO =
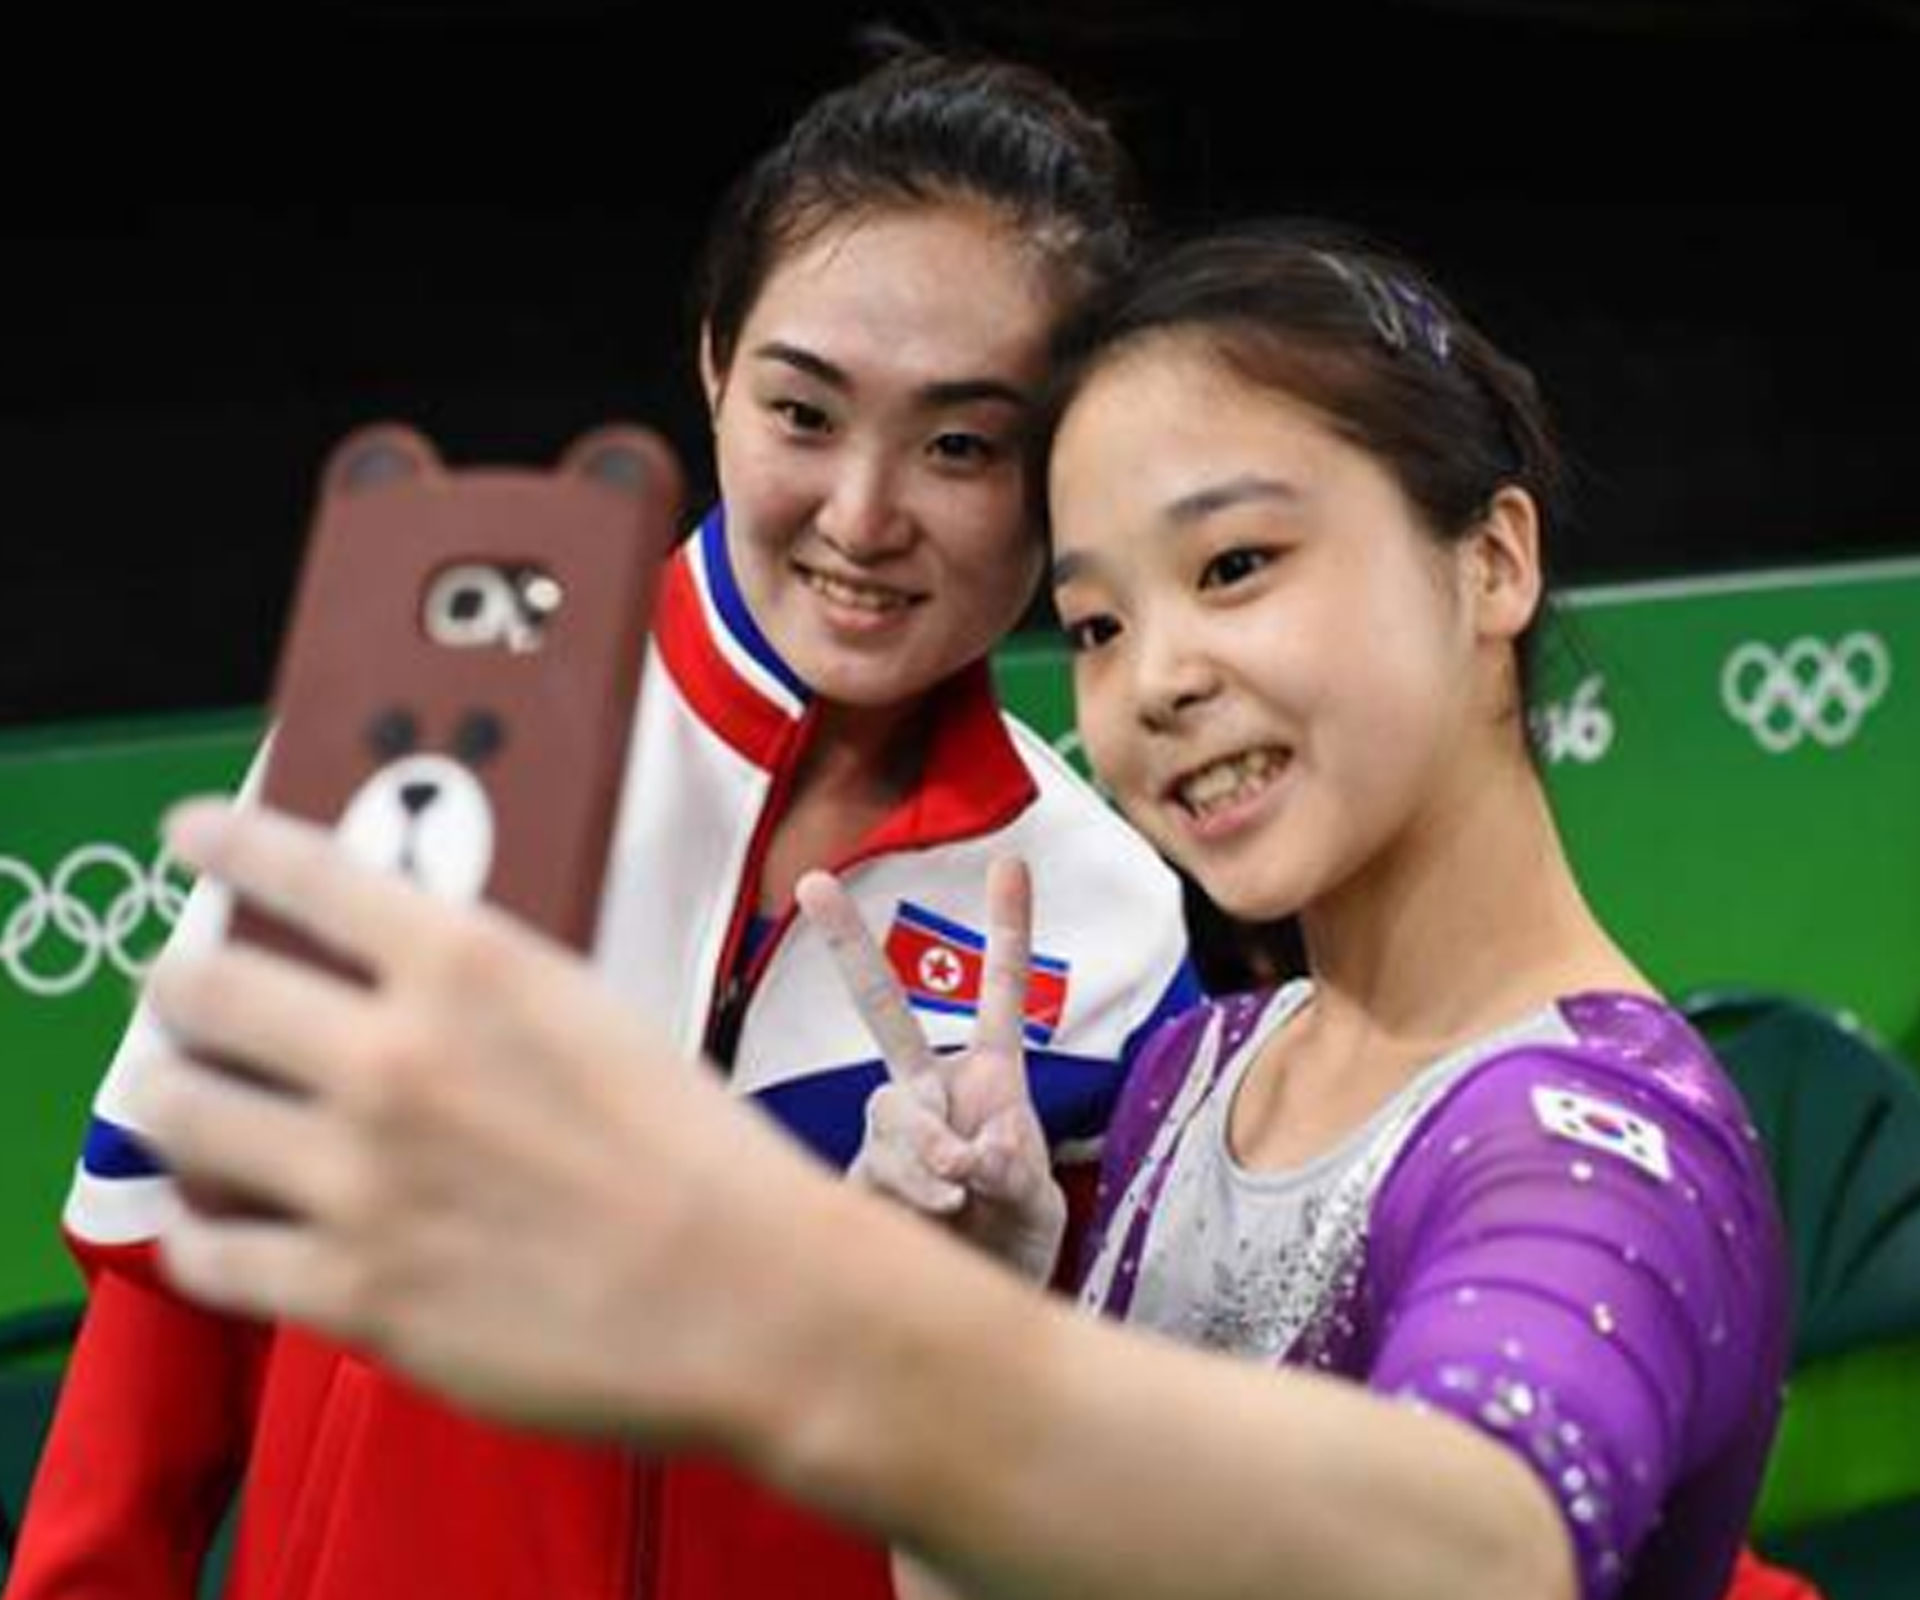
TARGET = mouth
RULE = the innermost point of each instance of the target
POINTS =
(858, 594)
(1224, 787)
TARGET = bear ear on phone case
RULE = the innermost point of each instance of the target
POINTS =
(458, 678)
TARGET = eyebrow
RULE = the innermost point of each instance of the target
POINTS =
(1216, 497)
(1186, 511)
(943, 392)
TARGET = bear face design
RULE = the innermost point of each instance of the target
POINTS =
(424, 814)
(458, 683)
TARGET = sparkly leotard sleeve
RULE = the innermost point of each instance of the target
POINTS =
(1578, 1253)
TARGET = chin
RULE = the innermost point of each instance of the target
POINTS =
(1244, 907)
(1243, 895)
(869, 685)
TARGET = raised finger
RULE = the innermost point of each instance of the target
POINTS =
(218, 1130)
(298, 873)
(288, 1022)
(876, 993)
(269, 1268)
(1003, 977)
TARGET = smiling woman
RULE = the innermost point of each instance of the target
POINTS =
(817, 695)
(1470, 1163)
(872, 453)
(1396, 491)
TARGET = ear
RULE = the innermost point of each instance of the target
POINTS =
(376, 456)
(713, 380)
(1504, 565)
(624, 456)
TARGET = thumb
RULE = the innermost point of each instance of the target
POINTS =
(1008, 1158)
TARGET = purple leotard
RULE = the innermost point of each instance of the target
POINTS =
(1565, 1237)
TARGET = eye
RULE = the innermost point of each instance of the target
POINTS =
(392, 733)
(478, 736)
(964, 449)
(1089, 633)
(1233, 566)
(801, 417)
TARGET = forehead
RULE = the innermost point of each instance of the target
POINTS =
(1167, 419)
(942, 291)
(1167, 439)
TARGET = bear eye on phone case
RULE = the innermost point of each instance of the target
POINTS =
(459, 675)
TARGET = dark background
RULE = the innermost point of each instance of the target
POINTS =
(231, 237)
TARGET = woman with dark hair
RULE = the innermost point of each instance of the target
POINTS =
(1468, 1158)
(876, 306)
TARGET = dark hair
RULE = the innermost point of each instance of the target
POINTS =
(923, 126)
(1366, 339)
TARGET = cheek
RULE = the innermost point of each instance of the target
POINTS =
(998, 561)
(1102, 724)
(1384, 731)
(1396, 687)
(765, 491)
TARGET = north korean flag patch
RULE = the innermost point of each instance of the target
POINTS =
(1604, 1125)
(939, 963)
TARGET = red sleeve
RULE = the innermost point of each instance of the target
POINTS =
(145, 1451)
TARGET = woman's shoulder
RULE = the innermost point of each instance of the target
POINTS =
(1619, 1044)
(1607, 1082)
(1059, 784)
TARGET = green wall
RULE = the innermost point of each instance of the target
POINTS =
(86, 898)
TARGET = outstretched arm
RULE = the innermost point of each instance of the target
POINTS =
(578, 1229)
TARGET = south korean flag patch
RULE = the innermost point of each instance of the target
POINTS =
(1604, 1125)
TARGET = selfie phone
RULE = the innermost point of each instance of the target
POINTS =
(458, 680)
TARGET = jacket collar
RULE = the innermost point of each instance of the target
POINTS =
(737, 682)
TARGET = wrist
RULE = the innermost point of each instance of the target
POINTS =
(879, 1389)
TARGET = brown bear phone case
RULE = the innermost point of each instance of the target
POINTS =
(459, 674)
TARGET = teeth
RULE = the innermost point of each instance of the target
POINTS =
(858, 596)
(1226, 781)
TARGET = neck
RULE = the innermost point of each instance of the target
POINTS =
(1471, 919)
(858, 765)
(874, 751)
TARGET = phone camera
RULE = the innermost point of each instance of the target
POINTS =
(473, 606)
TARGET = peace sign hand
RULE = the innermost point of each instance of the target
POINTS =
(955, 1135)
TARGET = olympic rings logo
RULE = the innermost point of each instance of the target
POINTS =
(1809, 689)
(90, 911)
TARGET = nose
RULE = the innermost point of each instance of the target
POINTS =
(863, 516)
(416, 797)
(1171, 679)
